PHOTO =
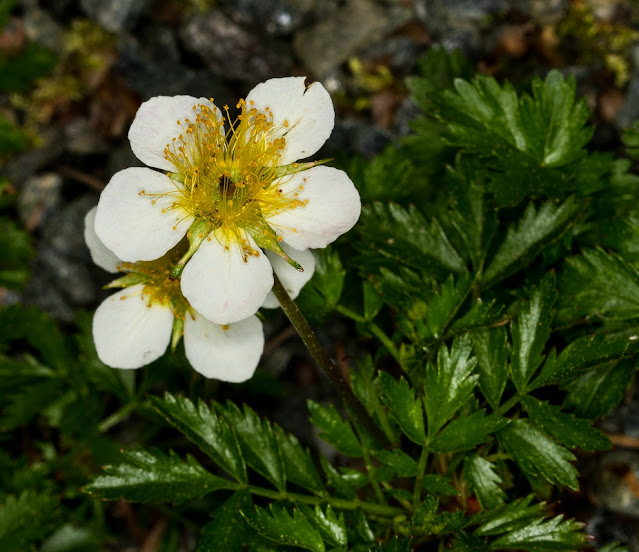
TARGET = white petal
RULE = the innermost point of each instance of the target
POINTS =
(308, 111)
(155, 125)
(224, 284)
(127, 332)
(101, 256)
(130, 220)
(227, 353)
(292, 280)
(332, 210)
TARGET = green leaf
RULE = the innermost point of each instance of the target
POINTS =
(536, 230)
(405, 408)
(585, 353)
(209, 432)
(298, 464)
(450, 384)
(396, 544)
(531, 331)
(524, 140)
(438, 485)
(279, 526)
(540, 535)
(70, 538)
(12, 140)
(491, 348)
(334, 430)
(325, 287)
(537, 454)
(373, 301)
(331, 527)
(444, 304)
(25, 519)
(466, 433)
(597, 283)
(258, 442)
(398, 461)
(596, 392)
(483, 481)
(19, 72)
(152, 476)
(512, 516)
(228, 529)
(392, 235)
(630, 138)
(472, 214)
(565, 428)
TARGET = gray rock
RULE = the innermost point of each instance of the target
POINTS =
(115, 15)
(38, 199)
(278, 17)
(151, 66)
(350, 29)
(546, 12)
(232, 52)
(24, 166)
(610, 486)
(40, 27)
(83, 139)
(351, 137)
(629, 112)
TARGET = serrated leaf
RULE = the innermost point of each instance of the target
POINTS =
(342, 485)
(257, 440)
(405, 408)
(585, 353)
(597, 283)
(565, 428)
(298, 464)
(512, 516)
(227, 530)
(472, 215)
(449, 384)
(373, 301)
(206, 429)
(396, 544)
(537, 229)
(438, 485)
(279, 526)
(484, 481)
(630, 138)
(540, 535)
(397, 460)
(334, 430)
(537, 454)
(467, 432)
(25, 519)
(71, 538)
(148, 476)
(531, 330)
(328, 278)
(330, 526)
(523, 139)
(491, 349)
(444, 304)
(596, 392)
(392, 235)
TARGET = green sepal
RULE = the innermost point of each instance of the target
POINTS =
(196, 234)
(294, 168)
(266, 238)
(178, 331)
(128, 280)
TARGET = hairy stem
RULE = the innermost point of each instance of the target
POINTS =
(325, 363)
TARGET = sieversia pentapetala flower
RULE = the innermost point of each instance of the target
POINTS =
(134, 326)
(235, 190)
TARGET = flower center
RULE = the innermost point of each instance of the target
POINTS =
(156, 278)
(230, 171)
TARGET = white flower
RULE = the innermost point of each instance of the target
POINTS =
(134, 326)
(234, 189)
